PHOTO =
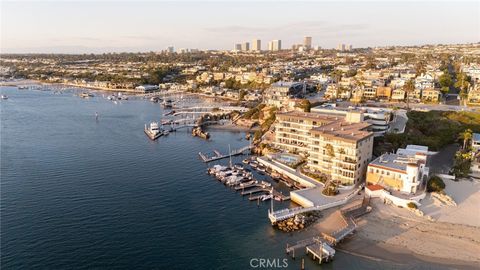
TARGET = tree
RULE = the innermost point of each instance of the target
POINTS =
(420, 68)
(462, 83)
(445, 79)
(241, 95)
(435, 184)
(466, 136)
(409, 87)
(330, 150)
(305, 105)
(336, 75)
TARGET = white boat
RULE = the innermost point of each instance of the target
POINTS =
(167, 103)
(86, 95)
(153, 131)
(266, 197)
(4, 97)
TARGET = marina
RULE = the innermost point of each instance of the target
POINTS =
(241, 179)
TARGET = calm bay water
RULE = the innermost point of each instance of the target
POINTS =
(77, 193)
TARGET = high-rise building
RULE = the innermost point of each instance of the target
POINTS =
(270, 46)
(256, 45)
(307, 42)
(238, 47)
(341, 47)
(245, 46)
(350, 47)
(276, 45)
(170, 49)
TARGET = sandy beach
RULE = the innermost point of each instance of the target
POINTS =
(449, 239)
(452, 238)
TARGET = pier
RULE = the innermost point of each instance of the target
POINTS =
(219, 156)
(279, 215)
(321, 247)
(316, 246)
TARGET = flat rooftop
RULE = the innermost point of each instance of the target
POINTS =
(309, 116)
(344, 130)
(393, 161)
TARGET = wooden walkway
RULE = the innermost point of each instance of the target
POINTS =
(219, 156)
(321, 247)
(287, 213)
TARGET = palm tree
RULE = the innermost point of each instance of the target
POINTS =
(463, 84)
(466, 136)
(409, 87)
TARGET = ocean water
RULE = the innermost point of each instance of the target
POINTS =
(81, 193)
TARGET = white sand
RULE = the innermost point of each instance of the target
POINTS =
(392, 226)
(467, 196)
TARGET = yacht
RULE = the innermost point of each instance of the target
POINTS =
(153, 131)
(86, 95)
(4, 97)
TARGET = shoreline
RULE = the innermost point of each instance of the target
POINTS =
(381, 252)
(397, 235)
(232, 127)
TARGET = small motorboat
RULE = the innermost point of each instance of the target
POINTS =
(86, 95)
(266, 197)
(245, 161)
(238, 166)
(4, 97)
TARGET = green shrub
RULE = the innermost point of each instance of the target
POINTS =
(330, 190)
(435, 184)
(412, 205)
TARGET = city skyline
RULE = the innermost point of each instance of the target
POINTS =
(96, 27)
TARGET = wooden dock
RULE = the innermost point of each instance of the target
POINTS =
(321, 247)
(255, 190)
(219, 155)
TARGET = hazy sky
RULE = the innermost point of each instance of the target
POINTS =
(105, 26)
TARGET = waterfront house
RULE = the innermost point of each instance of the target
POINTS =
(146, 88)
(403, 171)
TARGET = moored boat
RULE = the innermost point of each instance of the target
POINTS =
(85, 95)
(153, 131)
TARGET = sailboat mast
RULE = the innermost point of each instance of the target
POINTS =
(230, 155)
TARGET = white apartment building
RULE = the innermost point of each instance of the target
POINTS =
(378, 118)
(403, 171)
(338, 147)
(307, 42)
(279, 93)
(275, 45)
(256, 45)
(245, 46)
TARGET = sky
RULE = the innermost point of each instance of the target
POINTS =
(134, 26)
